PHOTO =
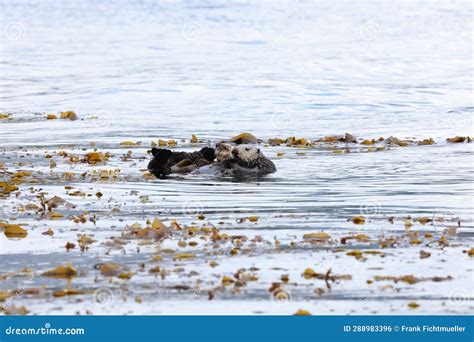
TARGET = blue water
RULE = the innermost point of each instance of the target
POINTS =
(315, 67)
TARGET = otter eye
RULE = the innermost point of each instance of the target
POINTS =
(246, 149)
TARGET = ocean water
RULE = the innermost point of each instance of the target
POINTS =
(149, 70)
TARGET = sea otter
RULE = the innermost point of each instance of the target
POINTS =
(239, 161)
(165, 161)
(224, 151)
(249, 159)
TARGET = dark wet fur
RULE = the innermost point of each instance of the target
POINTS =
(164, 159)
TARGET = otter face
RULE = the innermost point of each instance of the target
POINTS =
(224, 151)
(246, 153)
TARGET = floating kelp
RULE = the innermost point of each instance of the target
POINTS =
(114, 270)
(68, 115)
(14, 231)
(67, 271)
(244, 138)
(157, 231)
(130, 143)
(459, 139)
(358, 219)
(96, 157)
(6, 188)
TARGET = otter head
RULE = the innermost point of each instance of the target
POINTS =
(208, 153)
(247, 154)
(159, 164)
(252, 158)
(224, 151)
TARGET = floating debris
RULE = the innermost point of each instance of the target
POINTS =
(68, 115)
(67, 271)
(244, 138)
(14, 231)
